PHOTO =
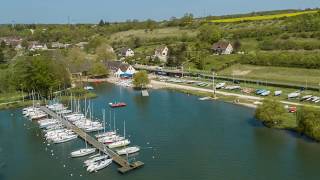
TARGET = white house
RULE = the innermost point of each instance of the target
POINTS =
(162, 53)
(34, 45)
(222, 47)
(121, 69)
(127, 52)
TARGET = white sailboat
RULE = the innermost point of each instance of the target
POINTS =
(121, 143)
(84, 151)
(128, 150)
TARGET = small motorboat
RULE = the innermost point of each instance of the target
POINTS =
(277, 93)
(117, 105)
(82, 152)
(128, 150)
(88, 88)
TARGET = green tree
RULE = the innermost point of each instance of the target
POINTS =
(98, 69)
(101, 23)
(2, 58)
(2, 44)
(309, 122)
(25, 44)
(141, 80)
(76, 60)
(271, 112)
(105, 52)
(39, 73)
(209, 33)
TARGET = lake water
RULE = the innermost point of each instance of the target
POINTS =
(181, 138)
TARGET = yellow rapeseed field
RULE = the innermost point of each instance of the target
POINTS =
(262, 17)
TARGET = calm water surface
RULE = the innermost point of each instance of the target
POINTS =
(181, 138)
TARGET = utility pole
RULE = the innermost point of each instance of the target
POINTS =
(213, 86)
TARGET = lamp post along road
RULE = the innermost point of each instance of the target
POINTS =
(213, 85)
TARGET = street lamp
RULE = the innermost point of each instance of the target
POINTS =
(213, 85)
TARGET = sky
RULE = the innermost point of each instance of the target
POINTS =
(91, 11)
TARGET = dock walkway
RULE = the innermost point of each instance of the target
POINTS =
(125, 165)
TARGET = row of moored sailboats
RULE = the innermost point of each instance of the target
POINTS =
(56, 133)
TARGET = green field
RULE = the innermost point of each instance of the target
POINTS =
(263, 17)
(277, 74)
(156, 33)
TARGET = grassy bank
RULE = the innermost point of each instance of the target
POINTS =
(15, 100)
(277, 74)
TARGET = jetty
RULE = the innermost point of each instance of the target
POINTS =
(125, 165)
(144, 93)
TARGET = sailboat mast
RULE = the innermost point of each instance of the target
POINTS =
(124, 129)
(114, 121)
(104, 120)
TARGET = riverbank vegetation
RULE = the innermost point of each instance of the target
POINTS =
(140, 80)
(306, 120)
(273, 114)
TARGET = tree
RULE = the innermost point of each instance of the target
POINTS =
(105, 52)
(209, 33)
(39, 73)
(98, 69)
(309, 122)
(76, 60)
(237, 45)
(2, 58)
(271, 112)
(101, 23)
(24, 44)
(2, 44)
(140, 79)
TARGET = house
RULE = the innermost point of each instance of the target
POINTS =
(35, 45)
(222, 47)
(120, 69)
(58, 45)
(162, 53)
(126, 52)
(12, 41)
(81, 45)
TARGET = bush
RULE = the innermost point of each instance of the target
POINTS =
(309, 122)
(272, 113)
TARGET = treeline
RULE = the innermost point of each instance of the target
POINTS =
(43, 74)
(309, 122)
(289, 45)
(273, 114)
(309, 60)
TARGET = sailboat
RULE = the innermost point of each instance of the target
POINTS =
(120, 143)
(83, 152)
(108, 133)
(128, 150)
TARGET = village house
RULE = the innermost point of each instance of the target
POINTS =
(35, 45)
(12, 41)
(222, 47)
(81, 45)
(126, 52)
(58, 45)
(120, 69)
(162, 53)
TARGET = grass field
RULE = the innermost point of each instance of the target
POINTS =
(263, 17)
(156, 33)
(277, 74)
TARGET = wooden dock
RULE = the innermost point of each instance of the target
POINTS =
(125, 166)
(144, 93)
